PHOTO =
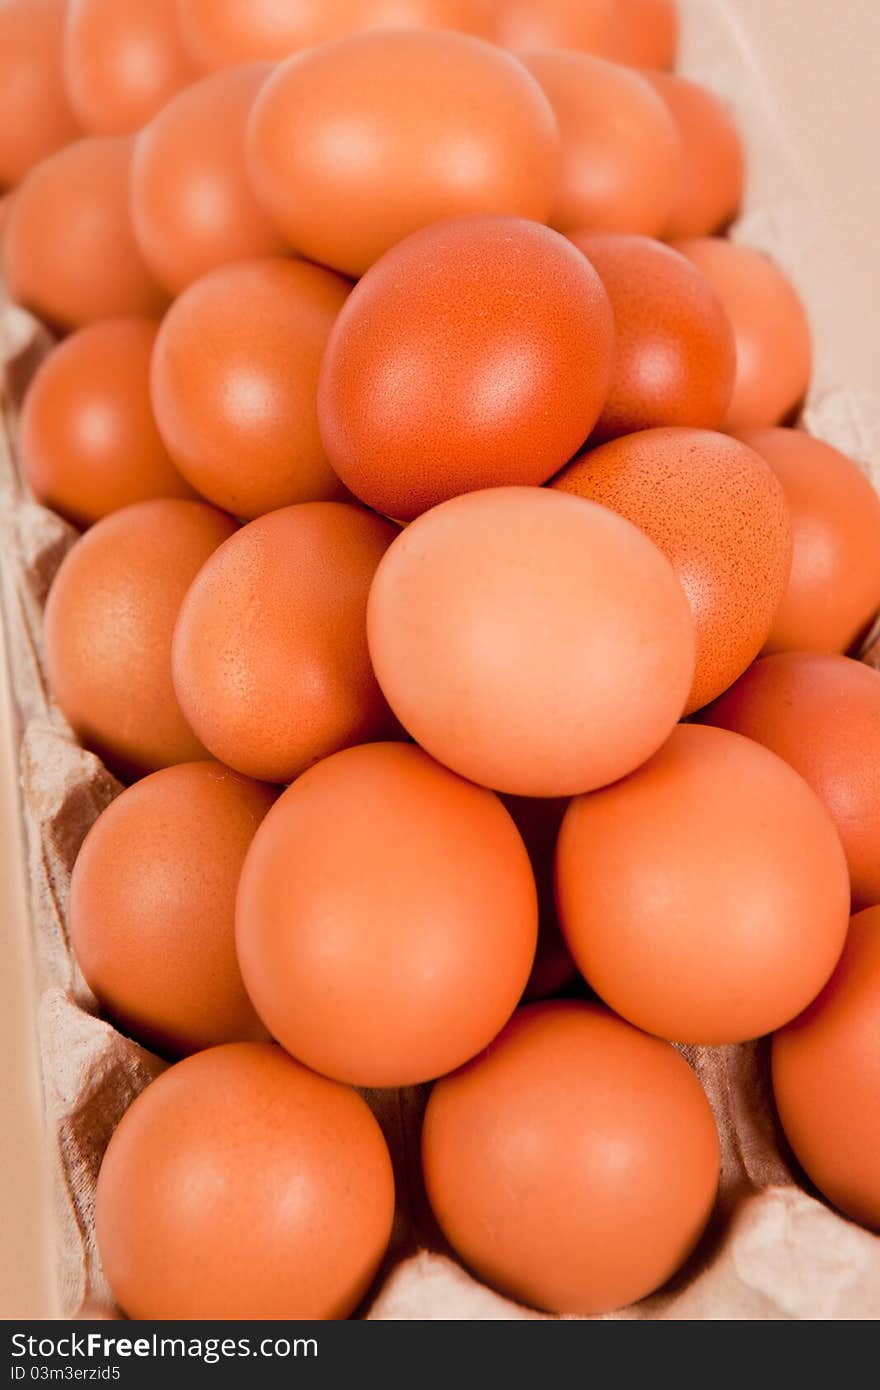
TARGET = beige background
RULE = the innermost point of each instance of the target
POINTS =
(814, 66)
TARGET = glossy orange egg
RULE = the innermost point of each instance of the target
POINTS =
(674, 357)
(152, 907)
(234, 383)
(89, 443)
(826, 1078)
(713, 162)
(538, 820)
(109, 621)
(386, 918)
(239, 1185)
(123, 59)
(466, 16)
(348, 156)
(192, 205)
(821, 714)
(645, 33)
(583, 25)
(719, 514)
(36, 117)
(270, 654)
(705, 898)
(222, 33)
(770, 328)
(834, 586)
(531, 641)
(69, 252)
(574, 1164)
(621, 153)
(476, 353)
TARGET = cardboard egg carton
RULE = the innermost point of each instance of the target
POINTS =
(772, 1250)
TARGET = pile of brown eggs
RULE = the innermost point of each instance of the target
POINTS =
(433, 454)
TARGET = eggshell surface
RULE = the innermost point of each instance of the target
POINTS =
(108, 627)
(386, 917)
(348, 156)
(240, 1149)
(192, 204)
(674, 356)
(821, 713)
(476, 353)
(621, 152)
(36, 117)
(152, 907)
(770, 328)
(719, 514)
(221, 33)
(533, 642)
(89, 442)
(713, 162)
(833, 589)
(234, 381)
(826, 1078)
(705, 898)
(575, 1163)
(270, 651)
(69, 253)
(123, 60)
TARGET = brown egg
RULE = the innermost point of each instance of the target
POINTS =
(586, 26)
(152, 907)
(89, 443)
(621, 154)
(531, 641)
(109, 621)
(348, 156)
(234, 382)
(191, 202)
(644, 33)
(713, 163)
(674, 358)
(538, 820)
(239, 1185)
(821, 714)
(574, 1164)
(826, 1078)
(834, 586)
(720, 516)
(36, 118)
(476, 353)
(466, 16)
(770, 328)
(221, 33)
(69, 251)
(123, 59)
(705, 898)
(386, 918)
(270, 654)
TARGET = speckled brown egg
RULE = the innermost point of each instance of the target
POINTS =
(621, 153)
(719, 514)
(833, 590)
(36, 117)
(69, 250)
(152, 907)
(713, 163)
(476, 353)
(770, 328)
(270, 653)
(89, 442)
(109, 621)
(674, 357)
